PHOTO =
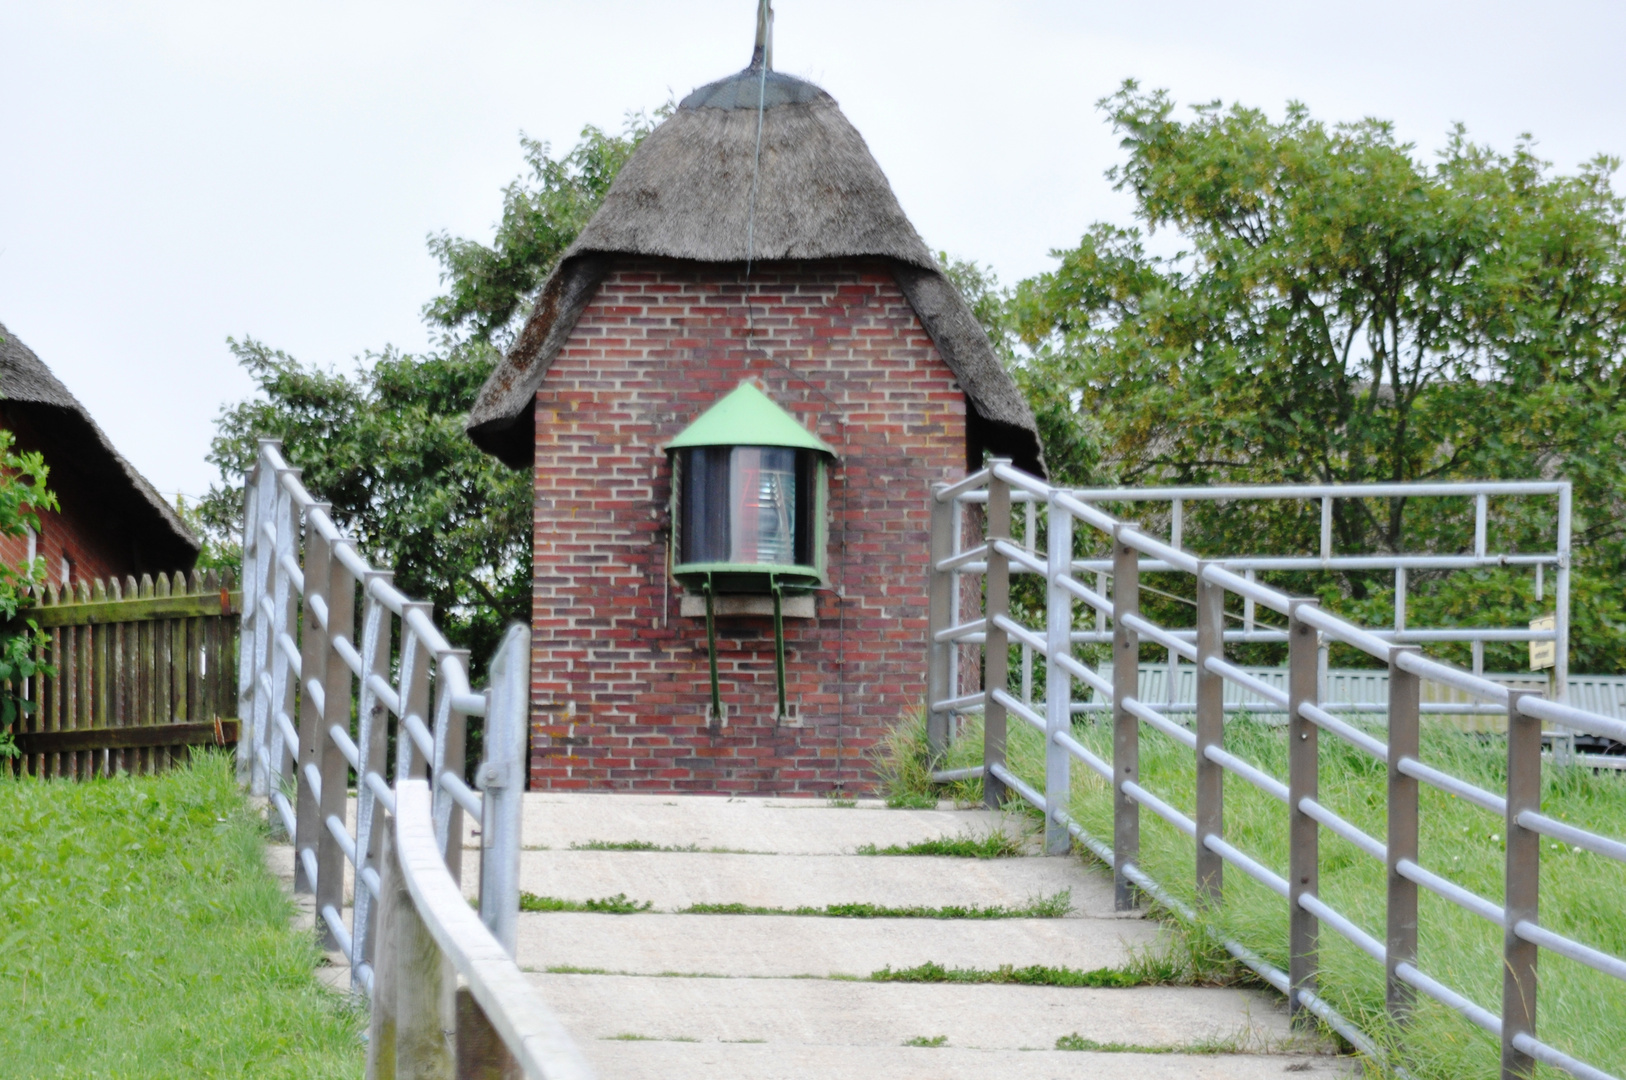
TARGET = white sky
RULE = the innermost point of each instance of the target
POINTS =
(173, 173)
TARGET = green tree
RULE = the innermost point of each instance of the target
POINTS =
(23, 495)
(1333, 309)
(384, 444)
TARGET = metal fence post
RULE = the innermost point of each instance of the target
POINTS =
(249, 619)
(451, 735)
(995, 650)
(312, 659)
(284, 621)
(1523, 887)
(372, 744)
(1125, 725)
(414, 692)
(940, 610)
(502, 778)
(1304, 837)
(1058, 684)
(340, 596)
(1210, 732)
(1405, 696)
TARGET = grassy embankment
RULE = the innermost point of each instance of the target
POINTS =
(144, 937)
(1582, 895)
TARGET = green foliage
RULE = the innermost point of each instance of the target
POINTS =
(993, 845)
(385, 444)
(22, 496)
(145, 937)
(605, 905)
(1329, 308)
(1056, 906)
(1006, 974)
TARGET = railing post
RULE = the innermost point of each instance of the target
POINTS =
(414, 693)
(1523, 887)
(247, 621)
(425, 1021)
(392, 894)
(481, 1054)
(451, 735)
(1304, 837)
(372, 744)
(1210, 732)
(1058, 684)
(339, 593)
(940, 610)
(995, 650)
(1405, 696)
(261, 654)
(313, 658)
(502, 779)
(1125, 725)
(284, 620)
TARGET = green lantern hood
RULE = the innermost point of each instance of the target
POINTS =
(748, 417)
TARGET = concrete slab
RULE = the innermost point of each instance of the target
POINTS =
(800, 1012)
(674, 881)
(709, 1060)
(786, 826)
(759, 946)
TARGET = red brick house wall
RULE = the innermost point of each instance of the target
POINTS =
(619, 679)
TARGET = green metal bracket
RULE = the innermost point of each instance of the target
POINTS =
(778, 639)
(711, 652)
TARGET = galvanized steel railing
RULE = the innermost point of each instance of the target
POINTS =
(997, 557)
(411, 937)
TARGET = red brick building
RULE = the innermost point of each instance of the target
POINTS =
(111, 522)
(739, 244)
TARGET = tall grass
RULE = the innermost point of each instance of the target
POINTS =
(1582, 895)
(144, 937)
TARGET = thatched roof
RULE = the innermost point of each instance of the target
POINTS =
(131, 504)
(686, 193)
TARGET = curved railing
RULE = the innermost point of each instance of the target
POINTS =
(309, 676)
(994, 557)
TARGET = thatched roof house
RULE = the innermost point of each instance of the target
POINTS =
(112, 522)
(699, 189)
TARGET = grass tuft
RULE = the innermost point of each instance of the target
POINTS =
(1057, 906)
(1005, 974)
(1075, 1041)
(933, 1042)
(994, 845)
(606, 905)
(145, 937)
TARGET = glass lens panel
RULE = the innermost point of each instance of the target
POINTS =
(703, 505)
(762, 502)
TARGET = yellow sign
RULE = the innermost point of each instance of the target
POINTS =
(1543, 654)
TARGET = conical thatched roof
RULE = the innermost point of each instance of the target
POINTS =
(687, 194)
(81, 448)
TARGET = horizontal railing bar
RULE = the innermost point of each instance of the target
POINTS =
(351, 559)
(1435, 671)
(418, 621)
(286, 728)
(1022, 634)
(1219, 574)
(1252, 774)
(1595, 959)
(1573, 718)
(1273, 492)
(1160, 808)
(285, 812)
(425, 742)
(1131, 536)
(347, 653)
(468, 703)
(1082, 510)
(317, 694)
(1449, 784)
(954, 633)
(1230, 671)
(1340, 827)
(295, 575)
(1548, 1055)
(290, 652)
(1363, 941)
(385, 592)
(385, 693)
(1156, 633)
(381, 791)
(313, 780)
(346, 843)
(1364, 640)
(1367, 708)
(1324, 720)
(954, 562)
(1016, 784)
(347, 746)
(1084, 674)
(341, 934)
(318, 607)
(1084, 754)
(1083, 592)
(965, 701)
(465, 796)
(1022, 481)
(955, 490)
(948, 776)
(375, 884)
(307, 856)
(1247, 864)
(1157, 720)
(1409, 974)
(1581, 838)
(1450, 890)
(1024, 559)
(1021, 710)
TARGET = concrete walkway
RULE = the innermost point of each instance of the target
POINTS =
(662, 993)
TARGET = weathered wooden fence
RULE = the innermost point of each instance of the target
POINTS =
(144, 671)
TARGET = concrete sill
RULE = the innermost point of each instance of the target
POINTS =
(796, 606)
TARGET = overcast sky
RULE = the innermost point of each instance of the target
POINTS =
(174, 173)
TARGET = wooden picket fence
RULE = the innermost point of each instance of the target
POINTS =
(144, 671)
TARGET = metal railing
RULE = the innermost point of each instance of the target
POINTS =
(447, 997)
(997, 557)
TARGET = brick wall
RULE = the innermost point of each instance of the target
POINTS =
(619, 679)
(60, 535)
